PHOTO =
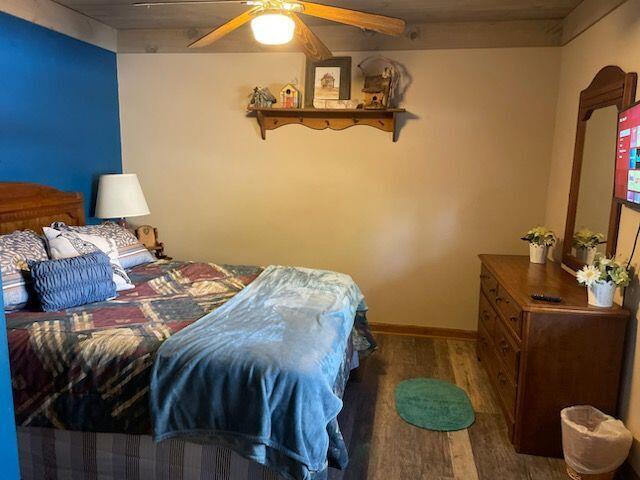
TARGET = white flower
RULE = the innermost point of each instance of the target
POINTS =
(588, 275)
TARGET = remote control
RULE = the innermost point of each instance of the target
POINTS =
(546, 298)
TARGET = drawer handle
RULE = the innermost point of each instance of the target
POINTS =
(485, 315)
(504, 346)
(514, 319)
(492, 290)
(499, 299)
(502, 379)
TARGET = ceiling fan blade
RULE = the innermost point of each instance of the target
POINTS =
(190, 2)
(228, 27)
(368, 21)
(314, 49)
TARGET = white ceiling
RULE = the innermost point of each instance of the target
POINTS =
(121, 14)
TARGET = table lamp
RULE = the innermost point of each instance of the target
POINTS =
(120, 196)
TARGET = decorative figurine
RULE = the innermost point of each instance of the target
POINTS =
(148, 236)
(386, 82)
(376, 92)
(261, 98)
(290, 96)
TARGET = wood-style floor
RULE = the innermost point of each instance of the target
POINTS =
(383, 447)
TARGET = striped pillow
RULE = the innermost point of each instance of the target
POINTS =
(17, 249)
(130, 251)
(68, 244)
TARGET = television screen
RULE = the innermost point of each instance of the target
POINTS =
(627, 183)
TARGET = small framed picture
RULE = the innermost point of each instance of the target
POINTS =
(327, 80)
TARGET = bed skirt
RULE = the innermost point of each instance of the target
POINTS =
(51, 454)
(48, 454)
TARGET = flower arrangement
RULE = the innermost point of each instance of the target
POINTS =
(602, 278)
(540, 236)
(585, 238)
(604, 270)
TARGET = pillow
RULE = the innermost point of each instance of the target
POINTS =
(72, 282)
(16, 250)
(69, 244)
(130, 251)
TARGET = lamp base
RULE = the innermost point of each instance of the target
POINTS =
(123, 223)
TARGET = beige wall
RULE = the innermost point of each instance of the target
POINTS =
(614, 40)
(406, 220)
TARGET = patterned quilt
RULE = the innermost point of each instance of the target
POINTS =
(88, 368)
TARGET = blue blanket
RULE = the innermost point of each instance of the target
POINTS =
(258, 373)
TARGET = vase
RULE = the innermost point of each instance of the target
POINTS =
(586, 255)
(600, 294)
(537, 253)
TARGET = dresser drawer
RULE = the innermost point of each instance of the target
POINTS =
(489, 284)
(484, 345)
(506, 390)
(498, 377)
(508, 351)
(510, 311)
(486, 315)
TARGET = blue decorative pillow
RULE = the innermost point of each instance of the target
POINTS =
(72, 282)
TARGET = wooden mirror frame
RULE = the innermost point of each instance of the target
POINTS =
(610, 86)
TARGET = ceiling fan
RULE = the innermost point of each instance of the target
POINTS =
(276, 22)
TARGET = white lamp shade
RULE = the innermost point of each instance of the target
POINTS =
(120, 196)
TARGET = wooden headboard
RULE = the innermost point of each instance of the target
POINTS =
(32, 206)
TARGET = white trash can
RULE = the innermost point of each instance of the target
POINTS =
(594, 444)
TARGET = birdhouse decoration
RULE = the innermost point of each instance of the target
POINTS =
(385, 82)
(261, 98)
(376, 92)
(290, 96)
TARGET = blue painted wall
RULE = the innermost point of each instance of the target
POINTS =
(59, 117)
(59, 126)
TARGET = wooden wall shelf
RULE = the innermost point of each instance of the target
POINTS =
(321, 118)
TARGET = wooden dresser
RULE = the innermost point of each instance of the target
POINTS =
(542, 357)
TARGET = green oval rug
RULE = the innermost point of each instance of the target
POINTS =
(434, 405)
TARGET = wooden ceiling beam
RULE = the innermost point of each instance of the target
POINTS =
(425, 36)
(121, 15)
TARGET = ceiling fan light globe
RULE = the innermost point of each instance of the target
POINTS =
(273, 28)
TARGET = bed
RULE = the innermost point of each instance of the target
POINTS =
(83, 378)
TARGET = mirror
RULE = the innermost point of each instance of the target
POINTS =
(596, 185)
(593, 215)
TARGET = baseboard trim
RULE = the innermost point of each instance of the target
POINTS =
(419, 331)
